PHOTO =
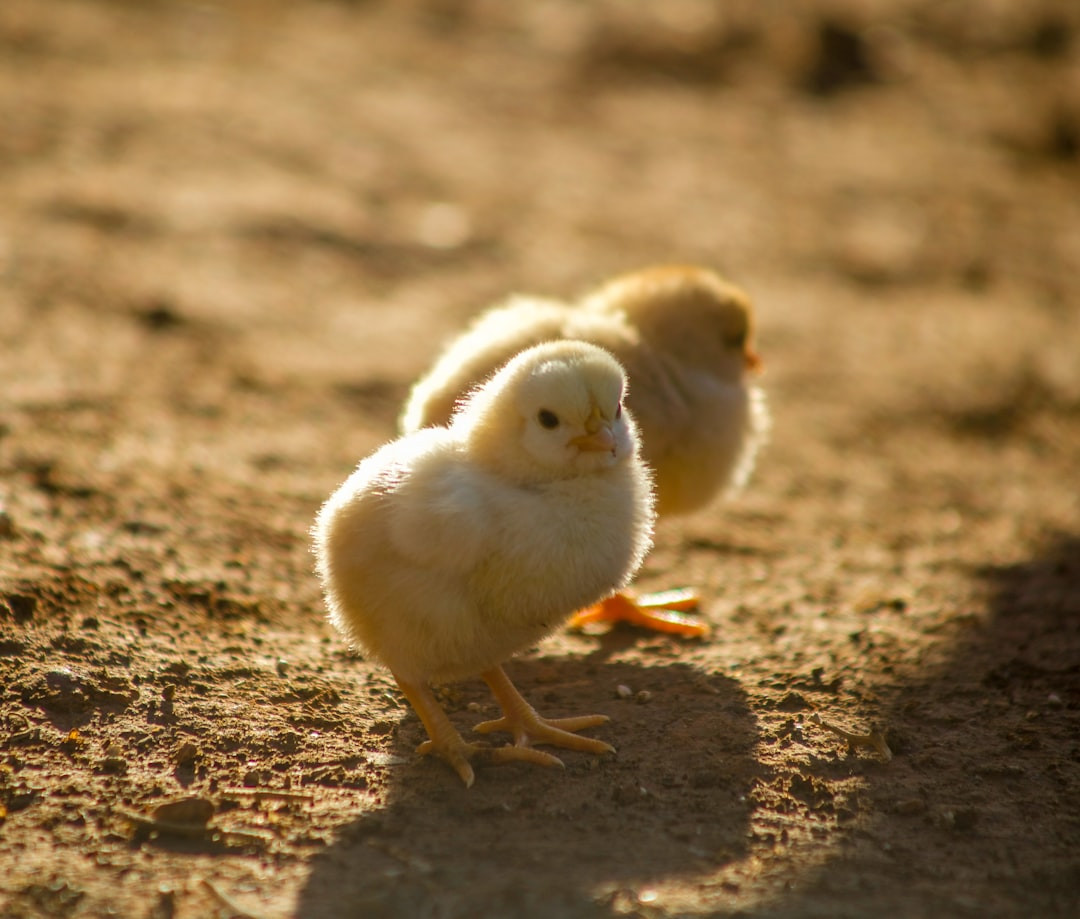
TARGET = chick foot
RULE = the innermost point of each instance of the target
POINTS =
(522, 720)
(662, 612)
(447, 743)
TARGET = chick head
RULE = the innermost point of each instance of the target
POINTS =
(689, 312)
(553, 411)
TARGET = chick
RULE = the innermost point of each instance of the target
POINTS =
(685, 337)
(451, 548)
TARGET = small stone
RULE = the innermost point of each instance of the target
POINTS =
(114, 765)
(165, 907)
(793, 702)
(19, 607)
(186, 754)
(443, 225)
(910, 807)
(628, 793)
(187, 810)
(642, 697)
(623, 691)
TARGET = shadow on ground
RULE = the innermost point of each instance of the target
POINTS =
(988, 763)
(601, 829)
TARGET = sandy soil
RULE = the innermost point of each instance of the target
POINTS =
(230, 237)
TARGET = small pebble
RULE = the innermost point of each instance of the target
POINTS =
(628, 793)
(116, 765)
(443, 225)
(623, 691)
(190, 809)
(910, 807)
(186, 754)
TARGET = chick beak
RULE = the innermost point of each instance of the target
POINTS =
(754, 363)
(599, 437)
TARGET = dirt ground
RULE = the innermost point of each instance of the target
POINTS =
(231, 235)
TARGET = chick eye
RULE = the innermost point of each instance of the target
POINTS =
(547, 419)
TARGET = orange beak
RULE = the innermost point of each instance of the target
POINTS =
(599, 441)
(754, 363)
(599, 438)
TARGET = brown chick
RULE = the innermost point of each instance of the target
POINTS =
(686, 338)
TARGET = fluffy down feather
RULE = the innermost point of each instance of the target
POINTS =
(453, 547)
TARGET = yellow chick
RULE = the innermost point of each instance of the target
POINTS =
(685, 337)
(451, 548)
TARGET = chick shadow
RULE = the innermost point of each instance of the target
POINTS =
(526, 841)
(987, 743)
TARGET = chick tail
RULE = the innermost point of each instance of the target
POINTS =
(661, 612)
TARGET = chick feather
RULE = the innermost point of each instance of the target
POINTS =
(453, 547)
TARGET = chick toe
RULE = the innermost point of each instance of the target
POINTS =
(514, 754)
(445, 741)
(662, 612)
(522, 721)
(456, 754)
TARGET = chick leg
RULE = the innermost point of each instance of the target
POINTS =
(445, 741)
(661, 612)
(521, 719)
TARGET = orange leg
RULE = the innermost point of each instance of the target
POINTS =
(445, 741)
(521, 720)
(661, 612)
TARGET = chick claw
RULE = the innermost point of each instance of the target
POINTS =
(661, 612)
(522, 720)
(460, 756)
(558, 732)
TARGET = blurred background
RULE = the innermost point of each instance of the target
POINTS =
(359, 174)
(233, 233)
